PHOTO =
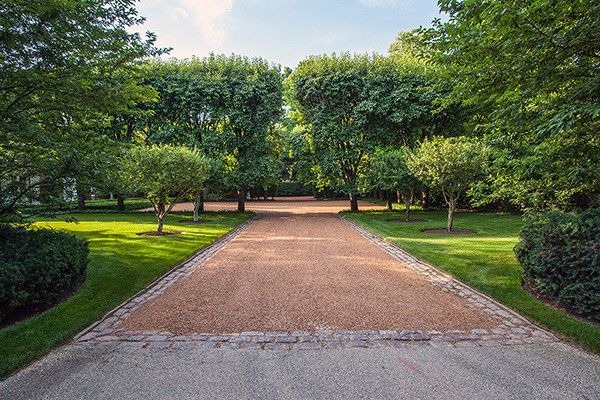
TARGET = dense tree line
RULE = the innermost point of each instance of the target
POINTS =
(64, 68)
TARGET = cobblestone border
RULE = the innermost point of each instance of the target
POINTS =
(513, 329)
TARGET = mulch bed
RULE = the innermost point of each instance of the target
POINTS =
(452, 232)
(165, 233)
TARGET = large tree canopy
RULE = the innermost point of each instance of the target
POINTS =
(252, 103)
(65, 65)
(225, 106)
(352, 104)
(530, 72)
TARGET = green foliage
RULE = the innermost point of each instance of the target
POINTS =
(252, 103)
(352, 104)
(292, 188)
(224, 105)
(448, 166)
(388, 171)
(38, 268)
(166, 174)
(66, 65)
(560, 255)
(530, 72)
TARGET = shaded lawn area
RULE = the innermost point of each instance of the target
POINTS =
(121, 263)
(485, 261)
(94, 206)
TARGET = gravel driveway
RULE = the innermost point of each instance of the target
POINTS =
(299, 267)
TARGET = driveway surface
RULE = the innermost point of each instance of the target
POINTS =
(301, 304)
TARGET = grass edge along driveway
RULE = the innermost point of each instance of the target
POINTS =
(121, 264)
(484, 261)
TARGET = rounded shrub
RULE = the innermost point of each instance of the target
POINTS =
(560, 255)
(38, 268)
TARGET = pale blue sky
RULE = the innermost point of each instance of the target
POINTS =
(282, 31)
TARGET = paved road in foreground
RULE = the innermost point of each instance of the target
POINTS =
(109, 366)
(553, 371)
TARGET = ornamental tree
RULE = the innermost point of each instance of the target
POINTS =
(252, 101)
(448, 166)
(166, 174)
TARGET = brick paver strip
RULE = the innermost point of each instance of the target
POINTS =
(467, 316)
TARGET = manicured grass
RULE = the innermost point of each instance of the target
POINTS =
(121, 263)
(484, 260)
(131, 204)
(94, 206)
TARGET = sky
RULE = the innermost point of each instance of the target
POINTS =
(282, 31)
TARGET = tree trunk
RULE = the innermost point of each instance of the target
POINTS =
(198, 204)
(353, 202)
(120, 202)
(242, 200)
(407, 209)
(80, 198)
(389, 200)
(425, 199)
(398, 197)
(450, 214)
(160, 216)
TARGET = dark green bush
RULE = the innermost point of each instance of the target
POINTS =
(38, 268)
(560, 255)
(291, 188)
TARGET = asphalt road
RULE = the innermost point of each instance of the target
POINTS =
(549, 371)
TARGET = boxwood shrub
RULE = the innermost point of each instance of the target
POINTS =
(38, 268)
(560, 255)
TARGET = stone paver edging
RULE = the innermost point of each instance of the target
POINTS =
(513, 329)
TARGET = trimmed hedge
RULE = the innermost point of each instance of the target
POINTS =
(38, 268)
(560, 255)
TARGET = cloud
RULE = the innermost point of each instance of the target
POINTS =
(383, 3)
(209, 16)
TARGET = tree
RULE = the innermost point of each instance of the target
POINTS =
(59, 77)
(166, 174)
(529, 73)
(252, 102)
(388, 171)
(224, 106)
(353, 104)
(449, 166)
(211, 178)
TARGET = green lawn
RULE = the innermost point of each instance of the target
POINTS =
(121, 263)
(94, 206)
(485, 261)
(131, 204)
